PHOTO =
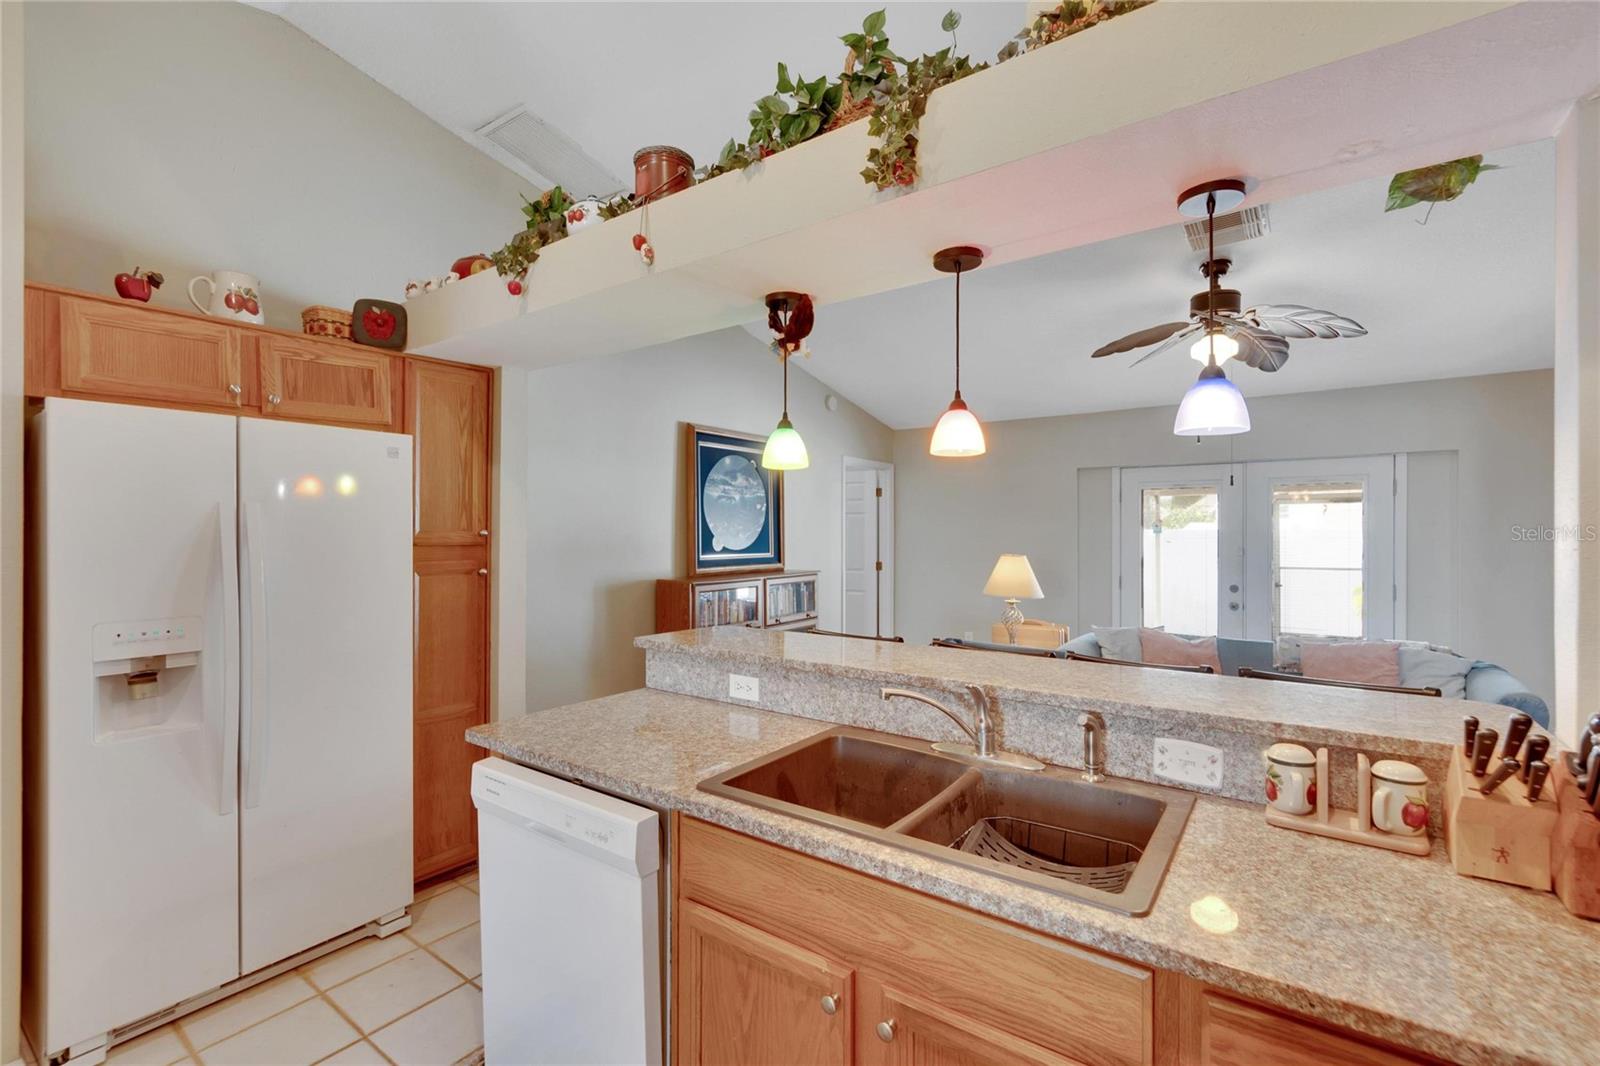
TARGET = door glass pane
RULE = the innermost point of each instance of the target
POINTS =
(1178, 557)
(1318, 556)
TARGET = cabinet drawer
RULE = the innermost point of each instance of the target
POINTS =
(327, 382)
(1233, 1033)
(130, 353)
(1065, 999)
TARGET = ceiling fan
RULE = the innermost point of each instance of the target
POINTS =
(1257, 336)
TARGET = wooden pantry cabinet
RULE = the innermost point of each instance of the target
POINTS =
(94, 347)
(779, 957)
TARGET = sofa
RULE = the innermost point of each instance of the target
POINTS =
(1485, 682)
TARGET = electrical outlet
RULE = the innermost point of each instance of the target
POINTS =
(741, 687)
(1188, 763)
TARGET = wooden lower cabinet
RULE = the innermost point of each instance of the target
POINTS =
(754, 998)
(450, 661)
(762, 934)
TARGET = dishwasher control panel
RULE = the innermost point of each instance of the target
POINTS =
(622, 833)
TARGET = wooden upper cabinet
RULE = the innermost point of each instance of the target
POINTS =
(327, 381)
(747, 997)
(899, 1028)
(121, 352)
(447, 414)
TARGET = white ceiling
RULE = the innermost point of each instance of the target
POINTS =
(1469, 293)
(615, 77)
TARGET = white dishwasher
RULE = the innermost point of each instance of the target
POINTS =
(571, 921)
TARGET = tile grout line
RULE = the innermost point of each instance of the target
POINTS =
(428, 947)
(314, 994)
(449, 991)
(361, 1033)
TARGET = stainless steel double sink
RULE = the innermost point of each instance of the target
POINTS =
(1107, 842)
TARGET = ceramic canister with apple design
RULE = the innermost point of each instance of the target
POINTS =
(1399, 798)
(1291, 778)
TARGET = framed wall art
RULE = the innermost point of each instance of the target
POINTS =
(735, 506)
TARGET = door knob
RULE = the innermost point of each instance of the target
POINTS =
(483, 532)
(1233, 605)
(886, 1030)
(484, 572)
(274, 399)
(830, 1004)
(235, 389)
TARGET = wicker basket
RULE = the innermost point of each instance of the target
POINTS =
(320, 321)
(849, 109)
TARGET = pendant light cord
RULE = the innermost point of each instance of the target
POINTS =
(1211, 273)
(786, 354)
(958, 330)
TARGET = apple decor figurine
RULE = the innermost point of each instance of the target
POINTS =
(378, 323)
(138, 285)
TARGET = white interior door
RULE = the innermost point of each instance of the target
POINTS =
(861, 551)
(325, 749)
(1181, 549)
(133, 854)
(1321, 548)
(868, 555)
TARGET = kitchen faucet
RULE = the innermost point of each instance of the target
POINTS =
(1094, 745)
(984, 704)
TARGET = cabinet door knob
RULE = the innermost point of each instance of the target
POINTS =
(483, 532)
(830, 1004)
(886, 1030)
(274, 399)
(236, 390)
(484, 572)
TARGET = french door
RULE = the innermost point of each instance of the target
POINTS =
(1261, 550)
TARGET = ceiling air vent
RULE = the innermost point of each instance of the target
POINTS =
(1232, 228)
(545, 155)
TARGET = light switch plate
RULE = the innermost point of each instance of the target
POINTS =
(742, 687)
(1188, 763)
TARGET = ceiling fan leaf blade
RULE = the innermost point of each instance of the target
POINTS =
(1259, 348)
(1140, 339)
(1297, 320)
(1169, 343)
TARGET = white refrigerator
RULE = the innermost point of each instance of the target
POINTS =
(219, 704)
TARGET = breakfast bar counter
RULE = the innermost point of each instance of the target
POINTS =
(1396, 947)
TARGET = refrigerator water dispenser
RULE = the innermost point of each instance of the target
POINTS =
(146, 678)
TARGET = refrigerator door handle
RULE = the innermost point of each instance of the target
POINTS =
(228, 790)
(253, 719)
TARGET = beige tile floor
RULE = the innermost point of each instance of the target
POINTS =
(412, 999)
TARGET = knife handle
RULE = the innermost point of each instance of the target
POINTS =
(1538, 748)
(1470, 729)
(1537, 772)
(1516, 732)
(1482, 748)
(1507, 767)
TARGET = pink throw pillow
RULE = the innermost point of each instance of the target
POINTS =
(1370, 662)
(1167, 650)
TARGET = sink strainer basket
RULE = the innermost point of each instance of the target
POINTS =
(1098, 862)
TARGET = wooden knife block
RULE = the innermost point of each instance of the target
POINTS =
(1575, 847)
(1501, 836)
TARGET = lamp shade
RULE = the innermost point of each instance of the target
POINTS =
(785, 450)
(1012, 579)
(957, 433)
(1213, 407)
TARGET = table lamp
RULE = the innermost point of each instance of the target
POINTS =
(1013, 580)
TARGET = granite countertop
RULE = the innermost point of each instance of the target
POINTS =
(1401, 948)
(1399, 724)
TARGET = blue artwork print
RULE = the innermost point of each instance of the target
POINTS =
(735, 504)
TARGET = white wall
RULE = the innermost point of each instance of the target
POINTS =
(186, 137)
(1480, 457)
(11, 411)
(606, 491)
(1577, 419)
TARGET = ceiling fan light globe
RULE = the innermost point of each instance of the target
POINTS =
(1224, 346)
(957, 434)
(1213, 407)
